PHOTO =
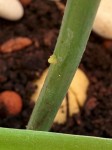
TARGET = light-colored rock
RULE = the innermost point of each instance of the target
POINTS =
(77, 92)
(39, 83)
(11, 9)
(62, 113)
(74, 106)
(79, 86)
(76, 95)
(103, 21)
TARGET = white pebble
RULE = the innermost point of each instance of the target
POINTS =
(103, 21)
(11, 10)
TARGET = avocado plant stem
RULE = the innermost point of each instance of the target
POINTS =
(14, 139)
(75, 30)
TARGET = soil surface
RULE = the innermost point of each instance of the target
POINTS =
(19, 67)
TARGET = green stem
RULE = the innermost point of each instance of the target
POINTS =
(72, 40)
(13, 139)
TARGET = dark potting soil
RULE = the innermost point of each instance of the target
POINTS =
(19, 69)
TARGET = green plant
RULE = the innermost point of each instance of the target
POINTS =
(13, 139)
(74, 33)
(75, 30)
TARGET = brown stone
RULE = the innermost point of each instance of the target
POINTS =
(25, 2)
(11, 101)
(15, 44)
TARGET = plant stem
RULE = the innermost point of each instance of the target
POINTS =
(75, 30)
(14, 139)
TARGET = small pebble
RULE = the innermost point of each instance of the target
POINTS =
(15, 44)
(103, 21)
(11, 9)
(11, 102)
(108, 44)
(25, 2)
